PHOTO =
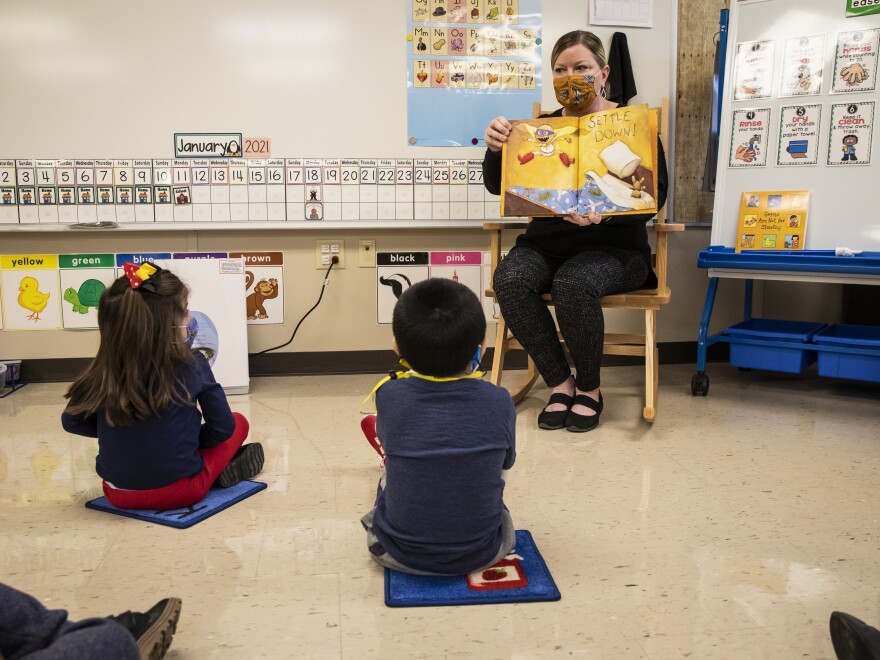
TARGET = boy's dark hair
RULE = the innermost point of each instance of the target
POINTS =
(438, 325)
(136, 371)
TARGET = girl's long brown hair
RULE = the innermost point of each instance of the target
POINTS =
(136, 373)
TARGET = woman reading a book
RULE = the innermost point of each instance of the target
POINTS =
(576, 258)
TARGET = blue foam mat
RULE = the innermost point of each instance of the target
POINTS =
(404, 590)
(215, 501)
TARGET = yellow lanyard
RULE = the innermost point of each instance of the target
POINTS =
(410, 373)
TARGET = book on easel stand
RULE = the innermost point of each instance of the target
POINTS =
(773, 220)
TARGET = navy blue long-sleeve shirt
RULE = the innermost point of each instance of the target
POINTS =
(159, 450)
(446, 445)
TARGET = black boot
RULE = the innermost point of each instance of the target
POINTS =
(153, 629)
(246, 464)
(853, 639)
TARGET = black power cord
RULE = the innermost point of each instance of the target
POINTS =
(333, 261)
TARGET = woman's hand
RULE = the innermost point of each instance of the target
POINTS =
(497, 133)
(584, 220)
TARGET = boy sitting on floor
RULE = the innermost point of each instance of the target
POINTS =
(448, 440)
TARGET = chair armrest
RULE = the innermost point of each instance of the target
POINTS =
(495, 226)
(663, 226)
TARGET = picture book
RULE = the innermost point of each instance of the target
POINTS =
(773, 220)
(605, 162)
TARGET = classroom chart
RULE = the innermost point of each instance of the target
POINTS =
(468, 61)
(799, 113)
(242, 190)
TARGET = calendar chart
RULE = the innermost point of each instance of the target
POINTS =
(290, 190)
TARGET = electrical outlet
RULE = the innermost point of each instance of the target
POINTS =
(325, 249)
(367, 253)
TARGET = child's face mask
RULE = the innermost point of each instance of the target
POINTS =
(575, 92)
(192, 329)
(475, 363)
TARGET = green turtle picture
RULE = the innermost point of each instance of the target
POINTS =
(88, 296)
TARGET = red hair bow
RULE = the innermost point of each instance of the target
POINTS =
(139, 274)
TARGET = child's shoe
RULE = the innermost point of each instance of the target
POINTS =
(153, 629)
(246, 464)
(368, 426)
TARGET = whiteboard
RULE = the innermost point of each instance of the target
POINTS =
(844, 209)
(95, 79)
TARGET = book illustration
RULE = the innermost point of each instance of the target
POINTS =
(602, 163)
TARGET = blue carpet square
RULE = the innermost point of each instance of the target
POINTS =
(216, 500)
(404, 590)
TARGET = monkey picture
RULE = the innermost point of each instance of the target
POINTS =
(263, 290)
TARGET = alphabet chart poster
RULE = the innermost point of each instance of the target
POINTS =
(395, 273)
(264, 286)
(30, 292)
(84, 277)
(465, 60)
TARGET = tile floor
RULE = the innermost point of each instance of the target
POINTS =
(731, 528)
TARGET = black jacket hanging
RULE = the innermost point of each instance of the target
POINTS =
(621, 81)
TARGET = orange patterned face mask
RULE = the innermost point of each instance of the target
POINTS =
(575, 92)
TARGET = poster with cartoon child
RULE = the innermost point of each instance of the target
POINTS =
(849, 140)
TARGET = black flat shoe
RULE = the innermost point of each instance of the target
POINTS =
(556, 419)
(583, 423)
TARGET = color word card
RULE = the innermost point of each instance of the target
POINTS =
(29, 283)
(194, 190)
(264, 286)
(84, 278)
(395, 273)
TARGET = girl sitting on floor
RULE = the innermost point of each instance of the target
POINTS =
(139, 396)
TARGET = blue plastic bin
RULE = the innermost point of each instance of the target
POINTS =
(793, 353)
(849, 365)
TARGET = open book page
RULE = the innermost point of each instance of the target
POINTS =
(605, 163)
(539, 171)
(617, 161)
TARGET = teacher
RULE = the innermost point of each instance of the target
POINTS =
(577, 259)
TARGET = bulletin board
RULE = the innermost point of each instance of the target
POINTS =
(91, 80)
(801, 80)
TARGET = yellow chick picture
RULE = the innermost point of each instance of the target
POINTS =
(31, 298)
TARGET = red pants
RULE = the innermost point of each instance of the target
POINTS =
(184, 492)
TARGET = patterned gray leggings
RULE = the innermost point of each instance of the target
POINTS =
(576, 286)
